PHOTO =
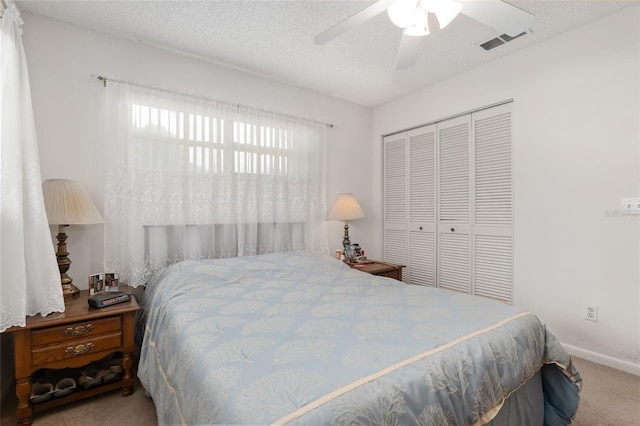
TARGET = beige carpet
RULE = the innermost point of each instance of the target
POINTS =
(609, 398)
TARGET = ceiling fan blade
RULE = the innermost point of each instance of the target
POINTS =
(354, 20)
(408, 52)
(505, 18)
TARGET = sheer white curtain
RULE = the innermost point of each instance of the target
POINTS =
(29, 275)
(193, 178)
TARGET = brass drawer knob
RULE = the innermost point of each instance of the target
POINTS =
(79, 349)
(79, 330)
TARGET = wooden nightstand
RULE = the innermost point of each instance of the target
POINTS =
(71, 340)
(380, 268)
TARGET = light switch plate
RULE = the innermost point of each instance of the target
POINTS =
(630, 205)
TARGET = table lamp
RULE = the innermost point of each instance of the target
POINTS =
(346, 208)
(67, 203)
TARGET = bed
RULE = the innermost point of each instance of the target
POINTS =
(301, 338)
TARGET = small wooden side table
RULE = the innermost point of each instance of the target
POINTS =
(73, 339)
(379, 268)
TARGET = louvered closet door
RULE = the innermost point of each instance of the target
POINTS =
(454, 200)
(395, 199)
(493, 203)
(422, 206)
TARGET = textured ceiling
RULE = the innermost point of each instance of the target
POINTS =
(274, 39)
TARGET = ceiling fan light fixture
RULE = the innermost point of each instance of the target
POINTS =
(445, 10)
(401, 12)
(500, 15)
(420, 26)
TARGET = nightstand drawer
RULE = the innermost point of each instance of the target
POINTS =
(75, 331)
(391, 274)
(76, 349)
(381, 269)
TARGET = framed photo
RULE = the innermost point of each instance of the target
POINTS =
(96, 284)
(111, 281)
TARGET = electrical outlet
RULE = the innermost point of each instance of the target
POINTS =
(591, 312)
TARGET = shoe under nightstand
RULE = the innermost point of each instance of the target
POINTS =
(64, 344)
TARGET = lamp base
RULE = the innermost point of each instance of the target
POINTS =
(345, 240)
(70, 290)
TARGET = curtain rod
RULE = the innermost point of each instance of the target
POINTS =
(104, 80)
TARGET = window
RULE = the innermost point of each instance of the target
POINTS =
(196, 178)
(200, 141)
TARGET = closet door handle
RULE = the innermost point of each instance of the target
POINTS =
(420, 228)
(453, 229)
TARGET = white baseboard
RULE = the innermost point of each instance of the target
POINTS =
(609, 361)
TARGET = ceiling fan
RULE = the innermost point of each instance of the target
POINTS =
(412, 16)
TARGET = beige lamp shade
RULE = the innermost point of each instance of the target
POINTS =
(346, 207)
(67, 203)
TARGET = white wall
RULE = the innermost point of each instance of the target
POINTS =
(63, 61)
(577, 153)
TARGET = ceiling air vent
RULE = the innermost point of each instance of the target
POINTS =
(495, 42)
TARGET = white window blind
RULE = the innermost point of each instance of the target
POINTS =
(204, 142)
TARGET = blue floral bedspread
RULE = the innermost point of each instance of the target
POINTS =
(302, 338)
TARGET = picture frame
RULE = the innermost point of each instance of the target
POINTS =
(96, 284)
(111, 282)
(350, 253)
